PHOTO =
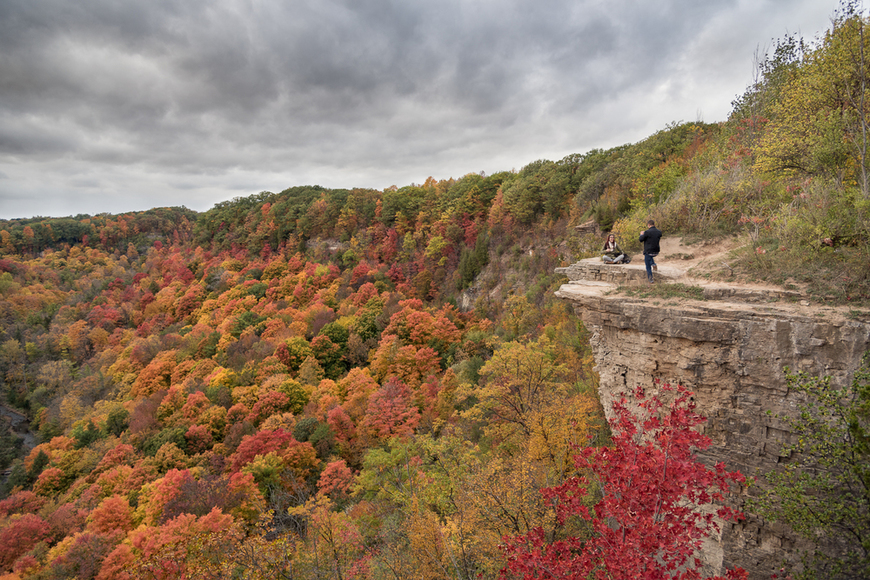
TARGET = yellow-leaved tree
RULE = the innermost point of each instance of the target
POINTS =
(820, 123)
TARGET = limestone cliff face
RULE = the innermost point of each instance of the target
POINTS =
(731, 353)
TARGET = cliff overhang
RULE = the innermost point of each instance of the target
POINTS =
(731, 349)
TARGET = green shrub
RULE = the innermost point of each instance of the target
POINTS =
(627, 231)
(168, 435)
(603, 214)
(117, 422)
(824, 211)
(304, 428)
(711, 201)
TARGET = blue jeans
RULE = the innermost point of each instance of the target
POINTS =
(648, 261)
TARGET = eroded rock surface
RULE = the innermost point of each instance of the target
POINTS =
(731, 350)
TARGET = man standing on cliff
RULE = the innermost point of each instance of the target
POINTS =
(650, 238)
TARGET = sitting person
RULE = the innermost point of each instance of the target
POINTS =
(612, 252)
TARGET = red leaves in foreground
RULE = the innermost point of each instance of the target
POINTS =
(656, 505)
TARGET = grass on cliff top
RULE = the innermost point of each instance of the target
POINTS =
(837, 275)
(663, 291)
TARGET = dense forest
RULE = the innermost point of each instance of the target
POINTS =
(352, 383)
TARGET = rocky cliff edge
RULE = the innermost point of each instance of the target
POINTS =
(730, 345)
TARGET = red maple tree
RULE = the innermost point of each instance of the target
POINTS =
(651, 519)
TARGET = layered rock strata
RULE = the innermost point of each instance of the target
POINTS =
(731, 350)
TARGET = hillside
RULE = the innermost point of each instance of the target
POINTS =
(353, 383)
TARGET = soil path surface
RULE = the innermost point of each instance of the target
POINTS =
(692, 261)
(706, 264)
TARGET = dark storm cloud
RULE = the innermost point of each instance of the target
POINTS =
(108, 106)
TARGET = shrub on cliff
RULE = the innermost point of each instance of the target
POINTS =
(823, 492)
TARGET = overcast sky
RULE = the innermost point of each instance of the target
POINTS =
(114, 106)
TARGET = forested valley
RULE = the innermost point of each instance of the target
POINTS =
(354, 383)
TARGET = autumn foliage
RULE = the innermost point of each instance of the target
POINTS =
(658, 501)
(360, 383)
(205, 406)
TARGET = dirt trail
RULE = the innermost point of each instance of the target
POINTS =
(689, 262)
(694, 260)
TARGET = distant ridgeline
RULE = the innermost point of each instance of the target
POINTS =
(542, 192)
(107, 232)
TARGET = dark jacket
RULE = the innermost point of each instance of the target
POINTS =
(650, 239)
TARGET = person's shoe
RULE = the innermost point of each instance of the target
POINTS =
(655, 268)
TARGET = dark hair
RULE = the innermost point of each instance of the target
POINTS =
(650, 223)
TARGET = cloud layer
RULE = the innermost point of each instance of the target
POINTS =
(111, 107)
